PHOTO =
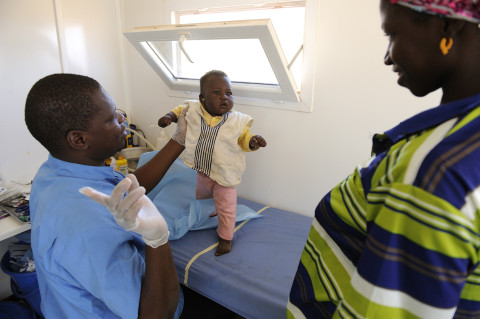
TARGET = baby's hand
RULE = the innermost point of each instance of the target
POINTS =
(256, 142)
(165, 121)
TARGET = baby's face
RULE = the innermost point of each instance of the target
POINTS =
(217, 97)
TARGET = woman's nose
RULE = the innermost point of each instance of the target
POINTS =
(387, 60)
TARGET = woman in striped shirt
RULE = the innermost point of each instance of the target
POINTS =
(400, 236)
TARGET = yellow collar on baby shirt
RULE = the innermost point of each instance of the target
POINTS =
(209, 119)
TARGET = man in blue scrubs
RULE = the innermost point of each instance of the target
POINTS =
(108, 258)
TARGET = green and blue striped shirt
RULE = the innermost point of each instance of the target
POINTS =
(400, 237)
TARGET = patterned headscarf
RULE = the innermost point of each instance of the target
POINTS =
(468, 10)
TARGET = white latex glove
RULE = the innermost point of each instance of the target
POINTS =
(179, 135)
(134, 212)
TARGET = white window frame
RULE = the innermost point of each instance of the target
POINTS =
(284, 96)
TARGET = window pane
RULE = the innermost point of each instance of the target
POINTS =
(289, 34)
(249, 51)
(244, 60)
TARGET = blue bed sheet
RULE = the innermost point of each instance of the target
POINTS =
(254, 279)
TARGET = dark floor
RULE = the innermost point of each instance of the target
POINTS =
(19, 300)
(197, 306)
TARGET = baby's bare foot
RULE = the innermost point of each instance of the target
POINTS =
(224, 247)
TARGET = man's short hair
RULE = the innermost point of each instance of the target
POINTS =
(58, 104)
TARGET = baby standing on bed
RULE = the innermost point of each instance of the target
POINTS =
(215, 145)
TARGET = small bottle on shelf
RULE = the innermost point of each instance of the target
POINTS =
(122, 165)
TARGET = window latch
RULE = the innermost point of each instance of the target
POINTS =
(180, 44)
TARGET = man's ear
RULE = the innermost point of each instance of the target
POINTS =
(76, 140)
(200, 98)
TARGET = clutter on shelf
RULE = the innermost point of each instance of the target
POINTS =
(14, 200)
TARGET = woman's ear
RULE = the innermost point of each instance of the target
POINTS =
(453, 26)
(76, 140)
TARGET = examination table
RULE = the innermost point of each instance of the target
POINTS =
(254, 279)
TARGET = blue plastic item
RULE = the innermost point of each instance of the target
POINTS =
(16, 310)
(24, 285)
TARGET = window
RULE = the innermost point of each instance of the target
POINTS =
(249, 50)
(289, 34)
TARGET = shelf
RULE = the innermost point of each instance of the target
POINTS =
(10, 226)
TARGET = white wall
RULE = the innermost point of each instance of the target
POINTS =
(355, 96)
(28, 51)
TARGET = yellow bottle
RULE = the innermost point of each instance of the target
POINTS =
(122, 165)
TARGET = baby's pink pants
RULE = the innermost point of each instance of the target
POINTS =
(225, 199)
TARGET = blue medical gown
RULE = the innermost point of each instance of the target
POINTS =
(87, 265)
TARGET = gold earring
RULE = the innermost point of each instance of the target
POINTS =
(444, 46)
